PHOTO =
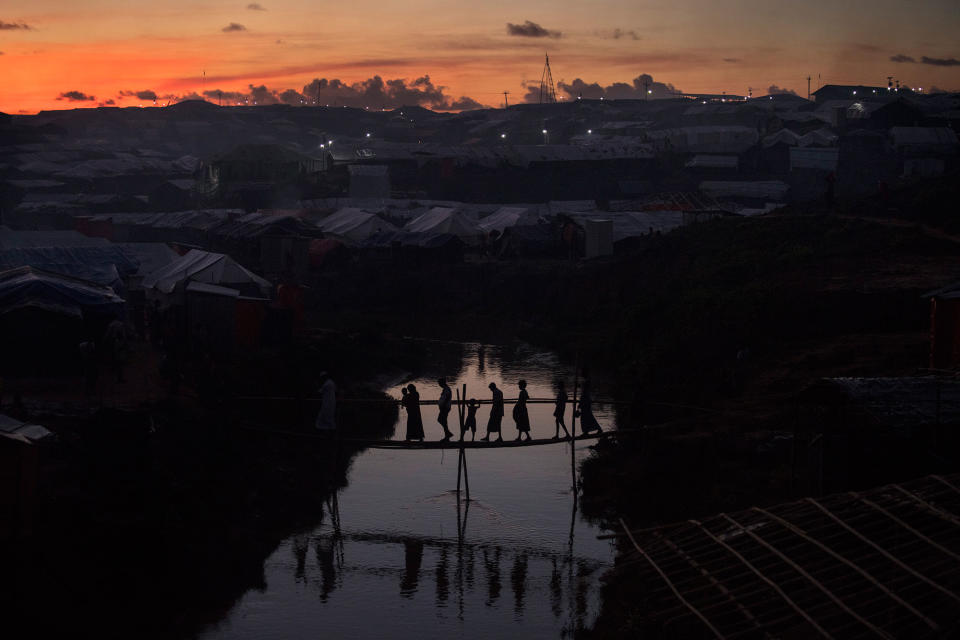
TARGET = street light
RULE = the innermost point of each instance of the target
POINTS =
(546, 137)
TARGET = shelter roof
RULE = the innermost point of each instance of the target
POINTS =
(876, 563)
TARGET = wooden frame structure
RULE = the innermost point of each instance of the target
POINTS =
(883, 563)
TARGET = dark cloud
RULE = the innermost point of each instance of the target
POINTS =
(291, 96)
(193, 95)
(375, 93)
(531, 30)
(636, 89)
(107, 103)
(146, 94)
(75, 96)
(774, 90)
(14, 26)
(901, 58)
(254, 6)
(464, 103)
(262, 95)
(1, 53)
(731, 60)
(229, 97)
(940, 62)
(871, 48)
(617, 34)
(233, 26)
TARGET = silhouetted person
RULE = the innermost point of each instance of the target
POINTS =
(588, 423)
(520, 415)
(470, 424)
(326, 417)
(496, 413)
(411, 402)
(413, 558)
(443, 404)
(559, 409)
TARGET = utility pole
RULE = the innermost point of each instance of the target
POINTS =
(646, 88)
(505, 105)
(808, 87)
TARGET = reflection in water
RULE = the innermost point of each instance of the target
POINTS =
(491, 562)
(518, 579)
(413, 558)
(398, 529)
(324, 550)
(442, 579)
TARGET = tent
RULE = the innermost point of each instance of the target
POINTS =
(354, 225)
(440, 220)
(508, 217)
(209, 268)
(26, 287)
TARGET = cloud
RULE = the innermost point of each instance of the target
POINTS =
(871, 48)
(531, 30)
(940, 62)
(75, 96)
(146, 94)
(262, 95)
(774, 90)
(107, 103)
(732, 60)
(255, 6)
(377, 93)
(464, 103)
(936, 89)
(618, 34)
(373, 93)
(1, 53)
(233, 26)
(636, 89)
(901, 58)
(14, 26)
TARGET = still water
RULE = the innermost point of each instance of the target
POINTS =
(395, 555)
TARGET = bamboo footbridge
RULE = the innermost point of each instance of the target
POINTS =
(460, 446)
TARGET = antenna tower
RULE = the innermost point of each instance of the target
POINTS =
(548, 93)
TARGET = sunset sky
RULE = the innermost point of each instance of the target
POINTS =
(60, 54)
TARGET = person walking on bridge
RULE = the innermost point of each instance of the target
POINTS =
(560, 408)
(411, 402)
(496, 414)
(443, 404)
(588, 422)
(520, 415)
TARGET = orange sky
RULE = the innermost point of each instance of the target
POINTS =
(101, 48)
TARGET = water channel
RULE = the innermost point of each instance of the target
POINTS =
(396, 555)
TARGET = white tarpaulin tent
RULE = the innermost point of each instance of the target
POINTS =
(508, 217)
(354, 225)
(444, 220)
(209, 268)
